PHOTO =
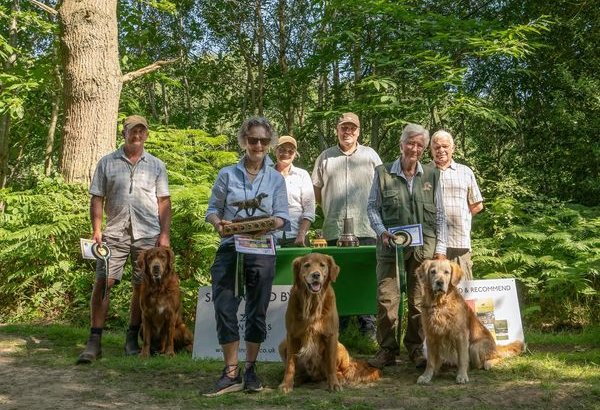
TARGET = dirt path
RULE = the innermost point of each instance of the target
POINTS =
(27, 387)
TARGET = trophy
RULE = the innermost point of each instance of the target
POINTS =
(348, 238)
(251, 223)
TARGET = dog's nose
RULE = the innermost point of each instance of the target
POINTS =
(156, 269)
(439, 283)
(316, 275)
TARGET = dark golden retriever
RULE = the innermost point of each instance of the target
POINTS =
(311, 350)
(453, 333)
(162, 325)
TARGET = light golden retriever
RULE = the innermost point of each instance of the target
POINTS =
(453, 333)
(311, 350)
(160, 302)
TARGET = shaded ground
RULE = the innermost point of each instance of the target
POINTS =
(38, 372)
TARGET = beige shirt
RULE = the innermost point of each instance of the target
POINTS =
(345, 182)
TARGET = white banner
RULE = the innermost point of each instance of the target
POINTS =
(206, 344)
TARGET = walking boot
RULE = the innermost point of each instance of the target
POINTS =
(92, 351)
(131, 343)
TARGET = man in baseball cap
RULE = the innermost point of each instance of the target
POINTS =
(132, 121)
(349, 118)
(342, 179)
(131, 186)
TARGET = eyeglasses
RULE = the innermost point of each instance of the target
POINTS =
(288, 151)
(254, 141)
(412, 145)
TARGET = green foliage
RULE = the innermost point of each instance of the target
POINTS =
(42, 275)
(552, 248)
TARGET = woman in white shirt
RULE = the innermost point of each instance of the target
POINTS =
(300, 193)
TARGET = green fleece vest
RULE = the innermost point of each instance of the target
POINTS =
(400, 207)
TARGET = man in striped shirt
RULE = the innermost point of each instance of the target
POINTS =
(462, 200)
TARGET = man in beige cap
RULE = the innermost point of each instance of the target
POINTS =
(342, 179)
(131, 187)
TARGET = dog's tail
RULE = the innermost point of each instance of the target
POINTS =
(512, 349)
(359, 371)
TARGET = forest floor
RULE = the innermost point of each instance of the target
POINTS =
(37, 370)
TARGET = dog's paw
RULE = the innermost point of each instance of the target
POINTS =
(462, 379)
(423, 379)
(335, 387)
(285, 388)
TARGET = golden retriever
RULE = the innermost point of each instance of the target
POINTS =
(311, 350)
(160, 303)
(453, 333)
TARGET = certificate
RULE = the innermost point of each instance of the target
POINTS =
(415, 231)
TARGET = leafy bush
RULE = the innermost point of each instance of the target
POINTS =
(552, 248)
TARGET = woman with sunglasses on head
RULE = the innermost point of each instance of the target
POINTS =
(300, 193)
(250, 188)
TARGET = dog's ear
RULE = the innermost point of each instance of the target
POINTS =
(296, 265)
(170, 258)
(457, 273)
(334, 269)
(421, 271)
(141, 261)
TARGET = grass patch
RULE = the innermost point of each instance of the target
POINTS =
(559, 370)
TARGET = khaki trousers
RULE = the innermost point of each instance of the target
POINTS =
(388, 302)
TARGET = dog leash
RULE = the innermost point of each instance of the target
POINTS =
(403, 239)
(102, 252)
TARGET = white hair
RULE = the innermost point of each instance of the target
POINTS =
(410, 130)
(442, 134)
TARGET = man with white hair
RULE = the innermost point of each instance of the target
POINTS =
(404, 192)
(462, 200)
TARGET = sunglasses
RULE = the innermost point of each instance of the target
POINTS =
(253, 141)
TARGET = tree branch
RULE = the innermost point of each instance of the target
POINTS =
(133, 75)
(44, 7)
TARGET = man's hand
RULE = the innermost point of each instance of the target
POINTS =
(163, 240)
(386, 237)
(439, 256)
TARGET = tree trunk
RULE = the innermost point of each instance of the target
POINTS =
(260, 57)
(163, 91)
(92, 84)
(5, 119)
(56, 99)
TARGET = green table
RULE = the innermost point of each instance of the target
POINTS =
(356, 285)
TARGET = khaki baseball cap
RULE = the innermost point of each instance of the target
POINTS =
(286, 139)
(349, 117)
(134, 120)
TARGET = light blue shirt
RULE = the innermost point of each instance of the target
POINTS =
(374, 207)
(130, 193)
(232, 185)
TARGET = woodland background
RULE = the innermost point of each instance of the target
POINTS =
(517, 82)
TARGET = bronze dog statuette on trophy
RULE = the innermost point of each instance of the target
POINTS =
(251, 223)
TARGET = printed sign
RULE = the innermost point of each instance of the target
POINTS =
(495, 303)
(206, 344)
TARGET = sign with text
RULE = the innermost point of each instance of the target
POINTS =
(495, 303)
(206, 344)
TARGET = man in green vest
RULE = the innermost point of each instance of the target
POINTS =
(404, 193)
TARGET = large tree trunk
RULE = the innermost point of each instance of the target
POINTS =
(92, 84)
